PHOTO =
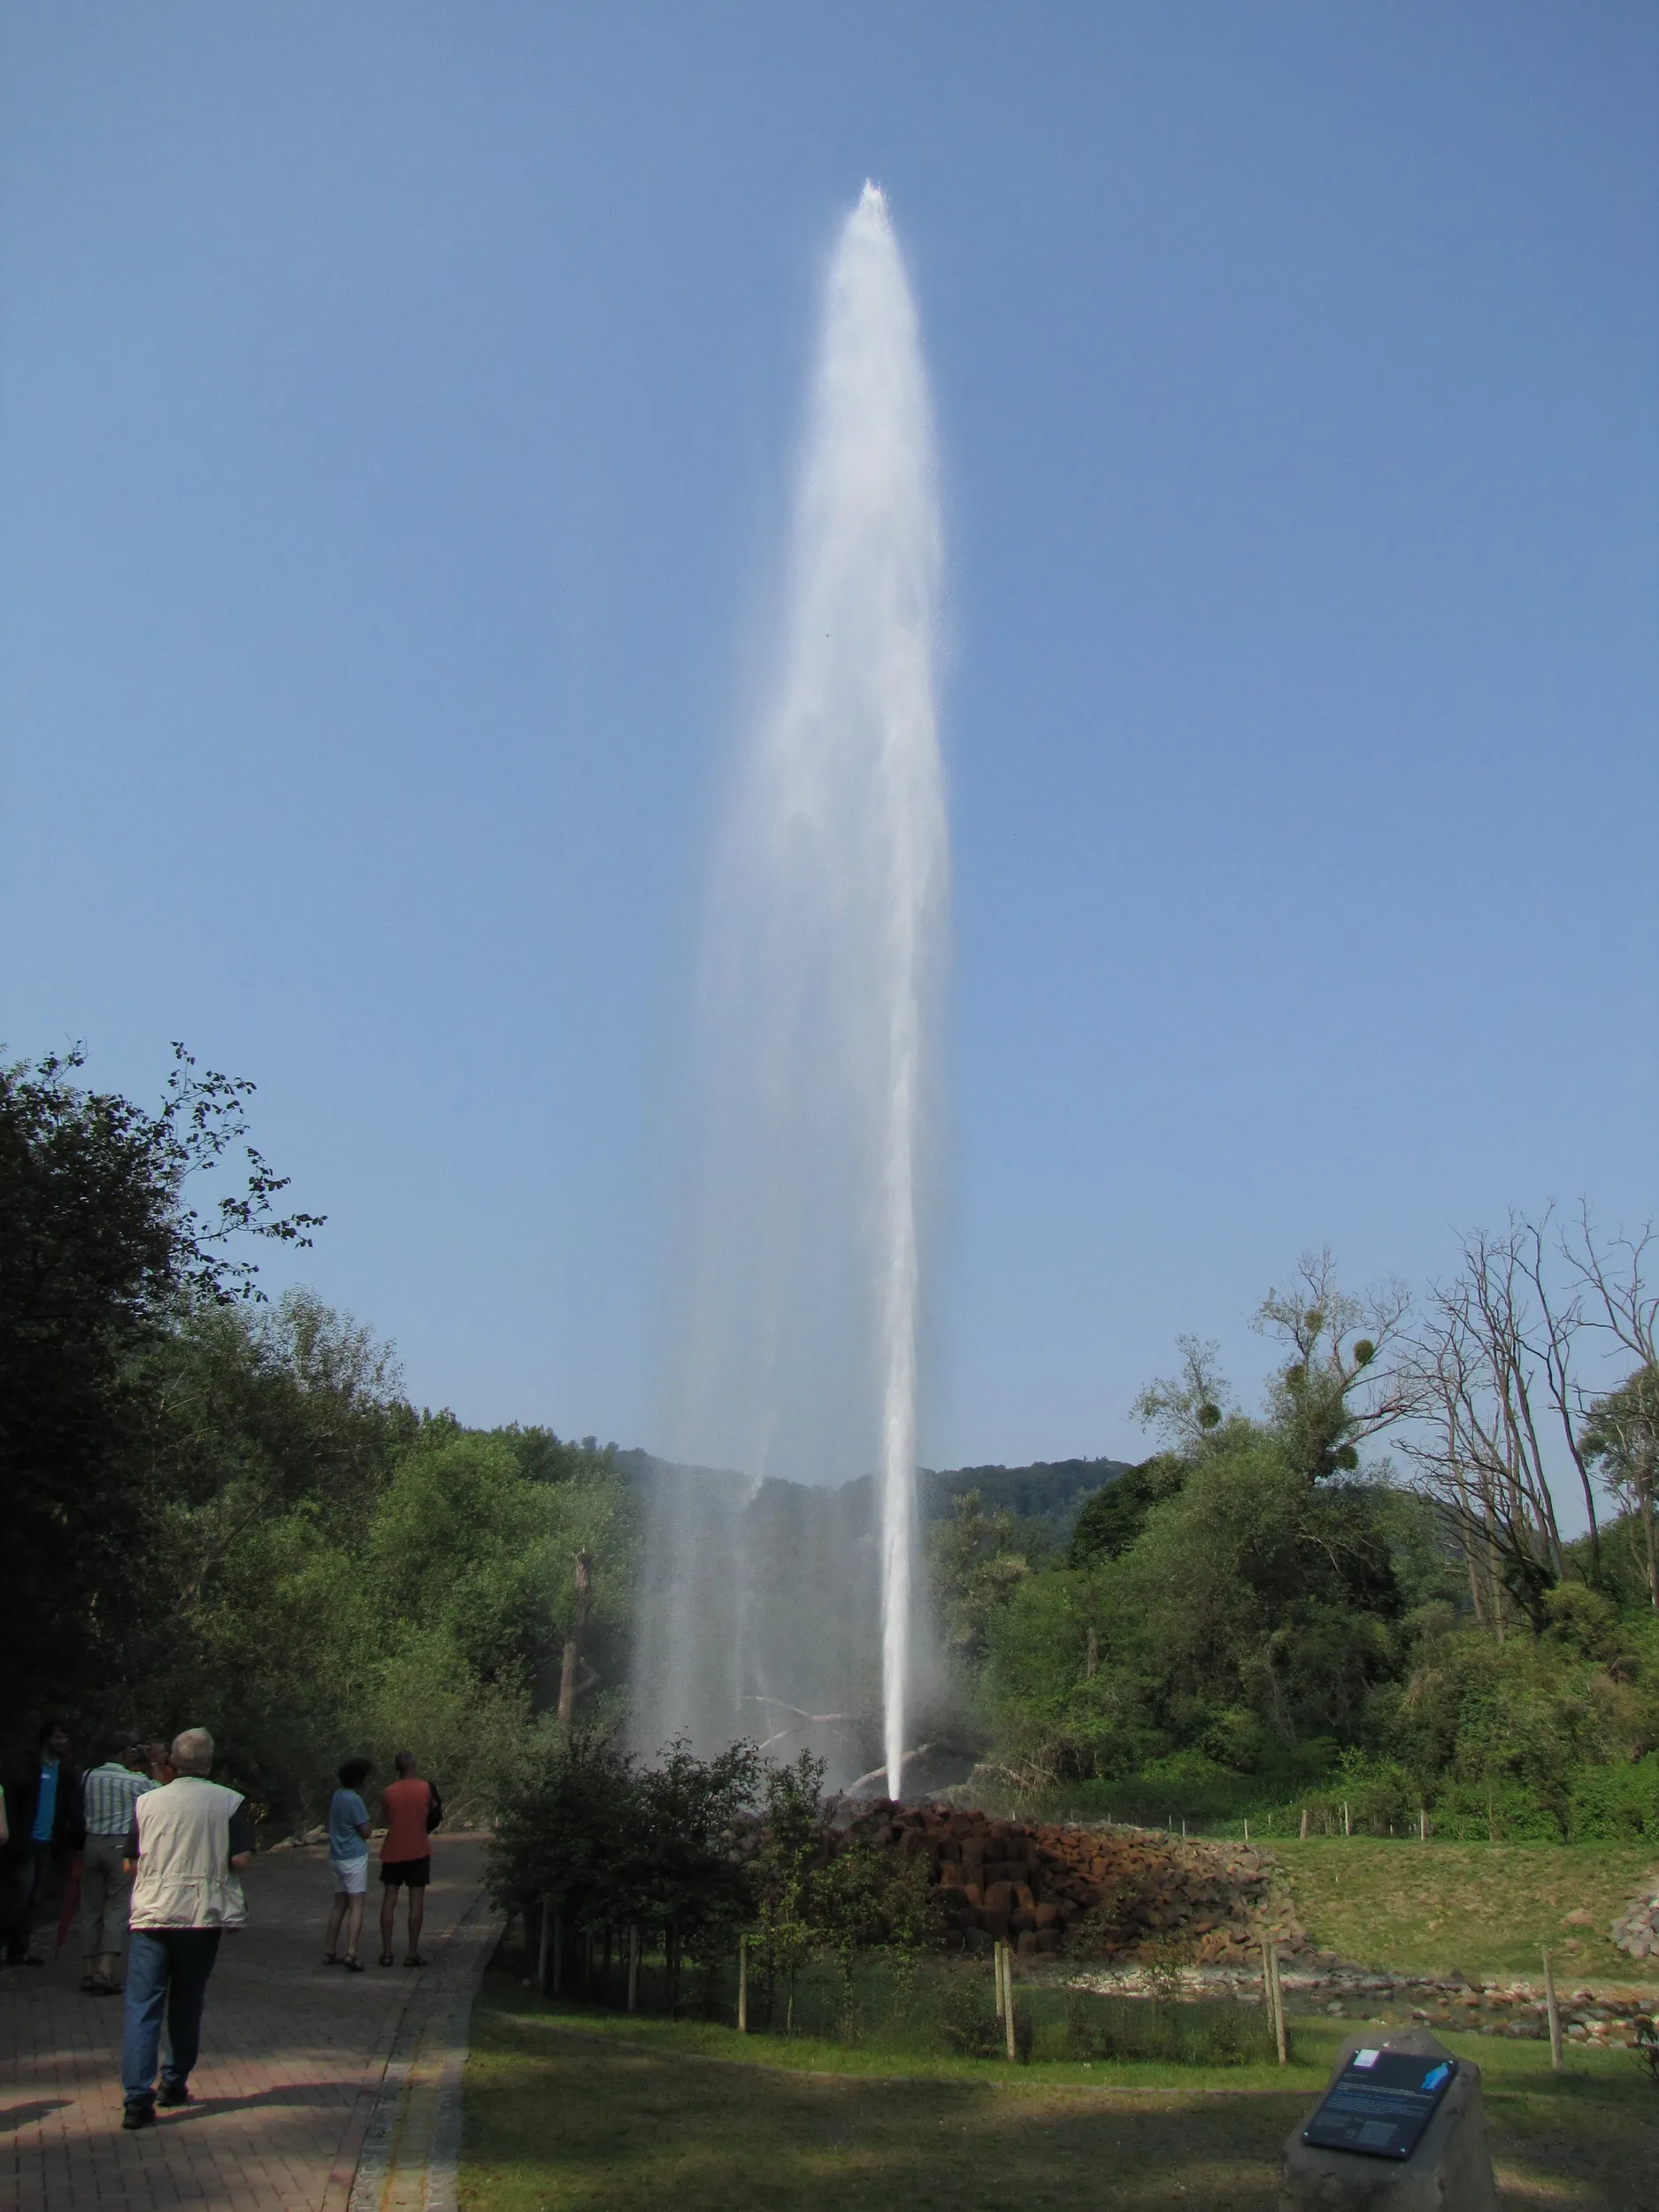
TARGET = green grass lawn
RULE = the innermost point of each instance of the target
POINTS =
(1483, 1908)
(568, 2111)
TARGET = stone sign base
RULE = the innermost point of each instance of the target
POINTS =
(1450, 2170)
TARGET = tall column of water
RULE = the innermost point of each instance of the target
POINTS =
(860, 698)
(827, 928)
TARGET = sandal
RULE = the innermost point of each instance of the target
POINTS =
(387, 1959)
(416, 1960)
(352, 1965)
(331, 1958)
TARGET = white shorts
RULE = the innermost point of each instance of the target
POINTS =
(351, 1876)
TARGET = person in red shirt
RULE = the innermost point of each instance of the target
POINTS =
(411, 1809)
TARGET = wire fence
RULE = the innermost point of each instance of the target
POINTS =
(902, 2007)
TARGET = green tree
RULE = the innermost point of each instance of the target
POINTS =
(1341, 1384)
(1620, 1440)
(868, 1895)
(562, 1832)
(1109, 1522)
(260, 1411)
(1186, 1407)
(347, 1575)
(101, 1250)
(684, 1866)
(974, 1560)
(794, 1842)
(1251, 1612)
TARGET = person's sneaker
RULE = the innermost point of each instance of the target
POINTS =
(171, 2093)
(138, 2115)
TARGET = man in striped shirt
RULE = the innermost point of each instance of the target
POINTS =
(109, 1794)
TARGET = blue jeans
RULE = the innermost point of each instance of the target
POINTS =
(166, 1971)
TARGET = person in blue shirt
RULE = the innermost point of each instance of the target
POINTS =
(43, 1813)
(348, 1862)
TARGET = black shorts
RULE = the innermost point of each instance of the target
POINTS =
(411, 1873)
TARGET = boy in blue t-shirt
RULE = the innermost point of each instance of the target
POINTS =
(349, 1858)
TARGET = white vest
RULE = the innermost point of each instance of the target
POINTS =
(184, 1878)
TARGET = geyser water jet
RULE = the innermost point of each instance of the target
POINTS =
(803, 1275)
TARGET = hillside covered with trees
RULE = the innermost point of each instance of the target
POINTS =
(1360, 1593)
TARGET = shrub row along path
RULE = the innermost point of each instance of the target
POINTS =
(316, 2090)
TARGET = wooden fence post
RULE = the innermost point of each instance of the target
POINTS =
(633, 1963)
(1274, 1990)
(742, 1985)
(541, 1947)
(1554, 2016)
(1008, 1999)
(558, 1953)
(1267, 1988)
(1347, 1828)
(1304, 1824)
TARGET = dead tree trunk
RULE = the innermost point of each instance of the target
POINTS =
(577, 1630)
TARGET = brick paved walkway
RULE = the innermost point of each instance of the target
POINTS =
(293, 2058)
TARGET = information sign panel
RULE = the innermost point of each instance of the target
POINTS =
(1380, 2103)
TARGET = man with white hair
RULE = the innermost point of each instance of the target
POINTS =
(187, 1842)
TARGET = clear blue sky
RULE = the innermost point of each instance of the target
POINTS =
(396, 405)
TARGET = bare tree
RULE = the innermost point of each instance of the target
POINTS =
(1627, 1307)
(1477, 1450)
(1556, 1322)
(576, 1629)
(1496, 1363)
(1345, 1380)
(1619, 1430)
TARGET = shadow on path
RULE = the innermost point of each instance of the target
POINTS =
(22, 2115)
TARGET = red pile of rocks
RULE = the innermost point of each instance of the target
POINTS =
(1141, 1895)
